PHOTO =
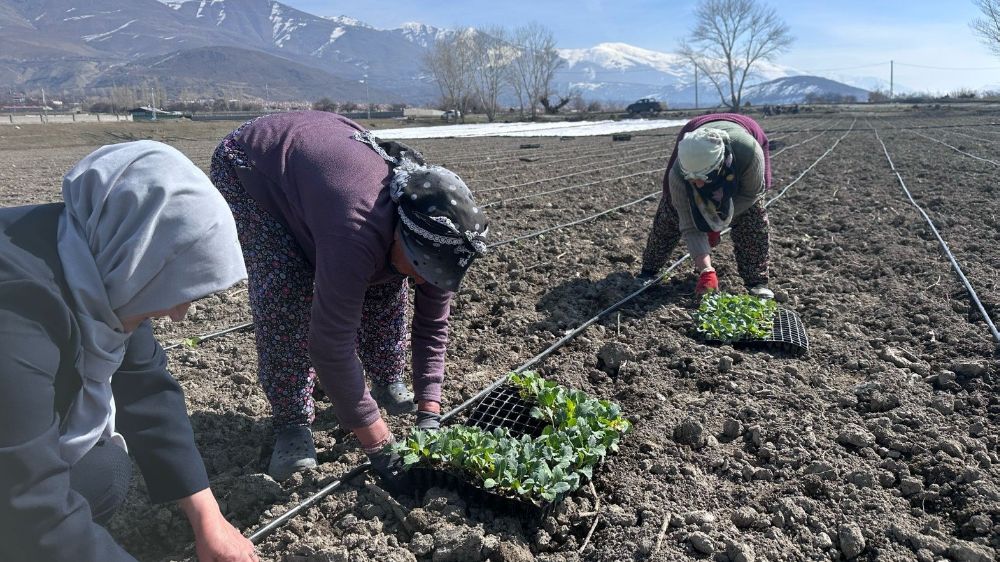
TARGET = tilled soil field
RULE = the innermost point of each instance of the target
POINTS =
(879, 444)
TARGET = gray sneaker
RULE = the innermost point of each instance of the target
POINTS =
(395, 398)
(761, 291)
(294, 451)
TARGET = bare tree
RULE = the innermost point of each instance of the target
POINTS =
(552, 108)
(730, 37)
(534, 65)
(988, 26)
(492, 55)
(451, 63)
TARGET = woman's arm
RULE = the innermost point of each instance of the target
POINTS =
(429, 340)
(343, 267)
(696, 240)
(152, 416)
(215, 539)
(41, 516)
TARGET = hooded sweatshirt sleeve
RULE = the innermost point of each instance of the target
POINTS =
(152, 416)
(41, 516)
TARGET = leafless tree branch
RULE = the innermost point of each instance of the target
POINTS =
(988, 26)
(730, 38)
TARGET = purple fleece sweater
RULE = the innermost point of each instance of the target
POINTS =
(331, 192)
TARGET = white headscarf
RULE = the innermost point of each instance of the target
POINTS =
(143, 230)
(701, 151)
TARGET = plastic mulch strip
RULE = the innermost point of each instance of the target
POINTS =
(788, 334)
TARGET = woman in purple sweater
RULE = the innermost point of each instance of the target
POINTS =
(332, 221)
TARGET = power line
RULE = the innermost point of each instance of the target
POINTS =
(949, 67)
(846, 67)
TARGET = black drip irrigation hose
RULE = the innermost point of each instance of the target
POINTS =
(955, 148)
(561, 189)
(191, 342)
(266, 530)
(552, 156)
(572, 223)
(580, 173)
(944, 246)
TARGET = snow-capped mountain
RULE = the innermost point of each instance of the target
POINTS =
(621, 72)
(795, 89)
(264, 47)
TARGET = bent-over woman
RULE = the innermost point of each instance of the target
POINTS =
(83, 384)
(715, 179)
(332, 222)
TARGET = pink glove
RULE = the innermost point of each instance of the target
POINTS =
(707, 281)
(714, 238)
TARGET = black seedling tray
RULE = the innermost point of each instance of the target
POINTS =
(504, 407)
(788, 334)
(424, 478)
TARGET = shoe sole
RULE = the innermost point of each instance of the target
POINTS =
(300, 466)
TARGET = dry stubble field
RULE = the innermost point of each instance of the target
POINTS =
(879, 444)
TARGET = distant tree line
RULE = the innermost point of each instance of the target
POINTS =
(476, 68)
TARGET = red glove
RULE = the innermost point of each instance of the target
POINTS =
(707, 281)
(714, 238)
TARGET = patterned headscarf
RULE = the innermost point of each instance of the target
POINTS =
(441, 227)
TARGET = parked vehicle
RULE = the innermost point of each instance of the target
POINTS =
(451, 115)
(645, 106)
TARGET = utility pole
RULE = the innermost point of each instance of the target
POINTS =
(367, 101)
(891, 74)
(152, 95)
(696, 86)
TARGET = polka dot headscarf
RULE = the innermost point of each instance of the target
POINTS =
(441, 227)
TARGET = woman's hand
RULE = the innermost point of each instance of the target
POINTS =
(215, 539)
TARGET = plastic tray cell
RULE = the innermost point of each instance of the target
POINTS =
(789, 333)
(504, 407)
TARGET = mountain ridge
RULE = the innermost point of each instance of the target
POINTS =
(81, 46)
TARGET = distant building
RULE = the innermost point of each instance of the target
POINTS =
(421, 112)
(25, 108)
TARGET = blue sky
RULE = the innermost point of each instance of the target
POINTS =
(930, 40)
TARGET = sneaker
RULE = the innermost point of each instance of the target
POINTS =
(761, 291)
(294, 451)
(395, 398)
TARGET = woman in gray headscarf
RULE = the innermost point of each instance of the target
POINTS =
(84, 384)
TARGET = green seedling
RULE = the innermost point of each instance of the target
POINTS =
(579, 432)
(727, 317)
(191, 342)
